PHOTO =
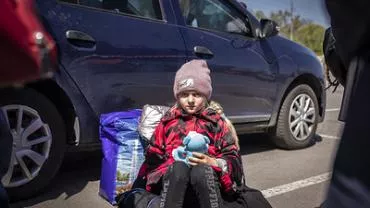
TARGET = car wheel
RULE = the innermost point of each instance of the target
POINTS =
(298, 118)
(39, 141)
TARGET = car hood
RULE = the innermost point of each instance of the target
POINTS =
(286, 46)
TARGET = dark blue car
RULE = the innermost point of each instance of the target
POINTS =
(121, 54)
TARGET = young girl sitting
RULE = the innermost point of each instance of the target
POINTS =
(208, 176)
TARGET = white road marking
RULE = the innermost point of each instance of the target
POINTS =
(332, 109)
(278, 190)
(329, 137)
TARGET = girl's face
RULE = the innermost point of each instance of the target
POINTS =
(191, 101)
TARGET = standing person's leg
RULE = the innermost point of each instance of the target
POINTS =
(4, 202)
(175, 183)
(350, 184)
(6, 145)
(206, 186)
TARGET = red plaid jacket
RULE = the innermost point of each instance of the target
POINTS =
(174, 126)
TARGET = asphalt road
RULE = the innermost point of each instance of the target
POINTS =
(289, 179)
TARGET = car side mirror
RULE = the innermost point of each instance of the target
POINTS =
(268, 28)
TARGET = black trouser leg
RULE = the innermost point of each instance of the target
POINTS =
(350, 184)
(175, 183)
(6, 141)
(3, 197)
(205, 184)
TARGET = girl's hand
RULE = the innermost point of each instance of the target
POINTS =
(200, 158)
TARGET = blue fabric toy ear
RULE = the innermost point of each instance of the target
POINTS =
(179, 154)
(206, 139)
(186, 140)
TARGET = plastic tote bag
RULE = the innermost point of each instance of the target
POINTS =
(123, 152)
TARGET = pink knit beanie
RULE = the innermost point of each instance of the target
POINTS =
(193, 75)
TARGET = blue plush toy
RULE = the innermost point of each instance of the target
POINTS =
(193, 142)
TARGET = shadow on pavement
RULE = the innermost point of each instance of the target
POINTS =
(255, 143)
(77, 170)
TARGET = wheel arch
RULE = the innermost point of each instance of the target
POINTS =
(311, 81)
(61, 101)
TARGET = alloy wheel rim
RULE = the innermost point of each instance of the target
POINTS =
(32, 140)
(302, 117)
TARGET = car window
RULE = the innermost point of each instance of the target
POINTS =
(214, 15)
(143, 8)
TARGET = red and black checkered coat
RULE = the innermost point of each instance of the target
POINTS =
(174, 126)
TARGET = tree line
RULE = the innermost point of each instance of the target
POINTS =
(297, 28)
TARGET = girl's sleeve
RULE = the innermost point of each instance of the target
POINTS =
(233, 170)
(155, 151)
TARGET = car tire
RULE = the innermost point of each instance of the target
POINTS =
(44, 130)
(298, 119)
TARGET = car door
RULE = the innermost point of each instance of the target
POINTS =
(243, 77)
(121, 54)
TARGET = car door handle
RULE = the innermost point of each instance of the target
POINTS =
(203, 52)
(80, 39)
(78, 35)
